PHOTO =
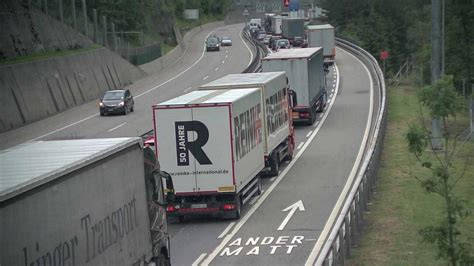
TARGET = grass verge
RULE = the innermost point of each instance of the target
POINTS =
(46, 55)
(400, 207)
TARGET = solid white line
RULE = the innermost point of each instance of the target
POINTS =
(248, 48)
(188, 89)
(206, 77)
(334, 213)
(217, 68)
(179, 74)
(198, 260)
(264, 196)
(114, 128)
(226, 230)
(154, 88)
(252, 202)
(300, 145)
(309, 133)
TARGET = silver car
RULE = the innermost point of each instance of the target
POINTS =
(226, 41)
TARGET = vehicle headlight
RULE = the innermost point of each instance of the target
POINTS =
(101, 104)
(120, 104)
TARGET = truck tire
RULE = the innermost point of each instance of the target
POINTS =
(275, 167)
(238, 211)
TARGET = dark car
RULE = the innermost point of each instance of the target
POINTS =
(298, 42)
(213, 44)
(116, 102)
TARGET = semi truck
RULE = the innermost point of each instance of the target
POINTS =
(305, 71)
(276, 25)
(292, 27)
(323, 36)
(214, 143)
(83, 202)
(277, 102)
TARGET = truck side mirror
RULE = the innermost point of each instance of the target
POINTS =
(169, 187)
(293, 100)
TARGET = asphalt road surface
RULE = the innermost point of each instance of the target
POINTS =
(282, 226)
(195, 68)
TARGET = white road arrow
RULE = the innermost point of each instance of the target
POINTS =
(292, 208)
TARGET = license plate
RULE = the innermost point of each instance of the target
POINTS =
(111, 109)
(296, 115)
(198, 206)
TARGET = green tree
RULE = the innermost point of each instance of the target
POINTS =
(442, 102)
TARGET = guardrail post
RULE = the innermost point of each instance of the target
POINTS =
(341, 252)
(347, 242)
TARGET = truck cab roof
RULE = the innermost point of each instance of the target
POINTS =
(294, 53)
(245, 79)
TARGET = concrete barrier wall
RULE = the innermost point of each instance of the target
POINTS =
(173, 56)
(35, 90)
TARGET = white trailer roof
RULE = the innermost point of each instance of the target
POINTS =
(209, 97)
(32, 164)
(318, 27)
(294, 53)
(255, 79)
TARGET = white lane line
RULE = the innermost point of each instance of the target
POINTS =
(114, 128)
(179, 74)
(143, 93)
(300, 145)
(334, 85)
(254, 208)
(273, 178)
(206, 77)
(334, 213)
(226, 56)
(198, 260)
(217, 68)
(226, 230)
(223, 61)
(188, 89)
(316, 124)
(252, 202)
(309, 133)
(248, 48)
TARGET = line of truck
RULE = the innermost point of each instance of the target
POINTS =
(107, 201)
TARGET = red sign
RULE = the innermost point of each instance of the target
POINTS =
(384, 55)
(286, 3)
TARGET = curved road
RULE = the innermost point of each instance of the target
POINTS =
(196, 67)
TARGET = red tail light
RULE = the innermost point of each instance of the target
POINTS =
(304, 115)
(170, 208)
(230, 206)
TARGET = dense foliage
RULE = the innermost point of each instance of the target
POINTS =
(403, 28)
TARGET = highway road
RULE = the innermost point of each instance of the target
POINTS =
(280, 227)
(195, 68)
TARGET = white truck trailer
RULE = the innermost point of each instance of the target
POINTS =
(305, 71)
(323, 36)
(277, 102)
(214, 150)
(82, 202)
(276, 25)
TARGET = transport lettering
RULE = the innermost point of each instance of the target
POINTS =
(97, 235)
(247, 131)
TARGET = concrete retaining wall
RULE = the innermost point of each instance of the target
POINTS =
(183, 42)
(35, 90)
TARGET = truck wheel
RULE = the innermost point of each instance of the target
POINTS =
(275, 168)
(239, 209)
(181, 218)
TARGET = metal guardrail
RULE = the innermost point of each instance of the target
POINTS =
(261, 51)
(348, 226)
